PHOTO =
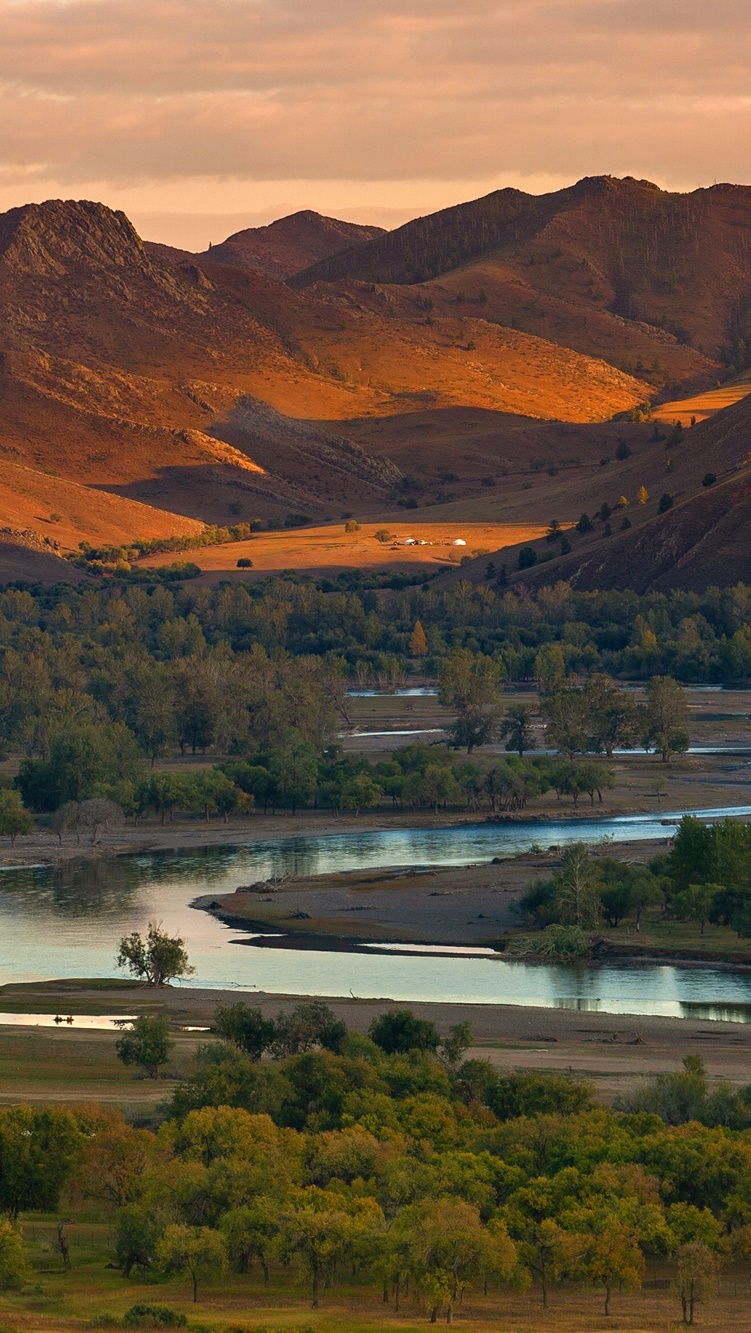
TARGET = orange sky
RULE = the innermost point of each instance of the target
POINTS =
(200, 116)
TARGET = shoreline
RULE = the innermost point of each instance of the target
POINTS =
(43, 848)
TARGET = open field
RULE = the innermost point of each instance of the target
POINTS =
(701, 405)
(328, 550)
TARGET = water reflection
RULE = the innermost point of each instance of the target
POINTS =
(67, 921)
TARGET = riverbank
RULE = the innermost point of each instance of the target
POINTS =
(42, 1065)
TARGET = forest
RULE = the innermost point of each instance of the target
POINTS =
(383, 1164)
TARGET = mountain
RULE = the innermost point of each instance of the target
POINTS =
(655, 282)
(281, 249)
(141, 399)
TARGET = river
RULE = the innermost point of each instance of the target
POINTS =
(66, 921)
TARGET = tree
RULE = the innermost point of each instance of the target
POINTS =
(418, 644)
(611, 1256)
(643, 495)
(527, 557)
(470, 684)
(198, 1251)
(352, 525)
(136, 1236)
(613, 717)
(14, 1268)
(696, 1278)
(294, 770)
(14, 818)
(38, 1151)
(664, 503)
(98, 812)
(309, 1025)
(382, 535)
(157, 960)
(585, 524)
(577, 888)
(695, 903)
(250, 1232)
(65, 819)
(246, 1026)
(115, 1159)
(448, 1246)
(399, 1030)
(147, 1044)
(666, 717)
(516, 729)
(360, 792)
(567, 721)
(315, 1231)
(550, 668)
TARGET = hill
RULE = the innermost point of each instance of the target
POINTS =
(702, 540)
(209, 392)
(281, 249)
(290, 244)
(617, 268)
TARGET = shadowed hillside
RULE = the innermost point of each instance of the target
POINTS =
(618, 268)
(182, 386)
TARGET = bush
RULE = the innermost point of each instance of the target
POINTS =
(244, 563)
(666, 502)
(709, 479)
(400, 1031)
(153, 1316)
(527, 557)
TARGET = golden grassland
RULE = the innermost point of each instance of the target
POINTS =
(329, 549)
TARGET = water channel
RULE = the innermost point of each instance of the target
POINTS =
(66, 921)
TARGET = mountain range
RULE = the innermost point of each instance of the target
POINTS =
(505, 348)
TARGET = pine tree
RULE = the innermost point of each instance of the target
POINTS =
(643, 495)
(418, 644)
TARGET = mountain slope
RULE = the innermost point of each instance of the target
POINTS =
(614, 267)
(281, 249)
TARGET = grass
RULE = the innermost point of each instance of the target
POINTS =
(94, 1295)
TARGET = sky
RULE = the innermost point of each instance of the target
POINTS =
(198, 117)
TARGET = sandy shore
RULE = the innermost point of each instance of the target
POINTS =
(612, 1051)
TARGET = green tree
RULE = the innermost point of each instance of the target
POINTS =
(294, 770)
(198, 1251)
(614, 719)
(361, 792)
(695, 903)
(14, 1267)
(14, 817)
(567, 721)
(516, 730)
(470, 685)
(38, 1152)
(399, 1030)
(315, 1234)
(157, 959)
(147, 1044)
(666, 717)
(246, 1026)
(250, 1232)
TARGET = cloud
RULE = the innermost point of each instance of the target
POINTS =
(140, 97)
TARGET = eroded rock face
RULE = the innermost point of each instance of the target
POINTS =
(58, 236)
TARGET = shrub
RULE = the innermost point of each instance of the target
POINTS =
(153, 1316)
(709, 479)
(666, 502)
(527, 557)
(244, 563)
